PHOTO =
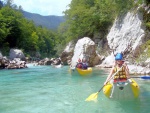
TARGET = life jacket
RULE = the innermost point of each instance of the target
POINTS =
(79, 65)
(121, 73)
(84, 66)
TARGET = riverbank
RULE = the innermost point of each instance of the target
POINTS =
(133, 69)
(138, 70)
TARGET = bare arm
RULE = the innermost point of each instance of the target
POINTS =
(109, 76)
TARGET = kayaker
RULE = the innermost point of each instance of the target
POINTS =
(84, 63)
(79, 64)
(122, 74)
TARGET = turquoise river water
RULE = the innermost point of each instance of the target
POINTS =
(45, 89)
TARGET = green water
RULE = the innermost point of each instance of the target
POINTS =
(44, 89)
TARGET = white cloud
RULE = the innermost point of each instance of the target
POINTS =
(44, 7)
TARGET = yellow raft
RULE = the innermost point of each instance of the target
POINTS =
(84, 71)
(121, 90)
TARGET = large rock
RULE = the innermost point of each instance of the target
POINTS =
(126, 35)
(138, 70)
(1, 56)
(68, 53)
(127, 30)
(16, 53)
(85, 47)
(109, 61)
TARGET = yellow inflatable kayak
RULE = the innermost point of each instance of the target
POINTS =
(121, 90)
(84, 71)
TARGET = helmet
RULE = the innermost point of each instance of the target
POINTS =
(119, 56)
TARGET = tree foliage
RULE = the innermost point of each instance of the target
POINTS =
(18, 32)
(88, 17)
(83, 18)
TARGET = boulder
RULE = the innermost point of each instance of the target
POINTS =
(68, 53)
(126, 35)
(85, 47)
(1, 56)
(16, 53)
(109, 61)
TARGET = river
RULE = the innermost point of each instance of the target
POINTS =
(45, 89)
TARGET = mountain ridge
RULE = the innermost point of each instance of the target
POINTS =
(50, 22)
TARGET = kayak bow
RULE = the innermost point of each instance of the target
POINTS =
(84, 71)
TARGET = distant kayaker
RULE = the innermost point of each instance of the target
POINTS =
(82, 64)
(121, 68)
(79, 64)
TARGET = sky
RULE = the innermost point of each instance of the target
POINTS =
(44, 7)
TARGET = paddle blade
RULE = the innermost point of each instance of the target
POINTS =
(69, 70)
(145, 77)
(92, 97)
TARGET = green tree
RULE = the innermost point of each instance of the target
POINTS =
(89, 17)
(10, 20)
(86, 17)
(47, 41)
(18, 32)
(4, 31)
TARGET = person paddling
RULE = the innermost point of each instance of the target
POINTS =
(79, 64)
(123, 73)
(82, 64)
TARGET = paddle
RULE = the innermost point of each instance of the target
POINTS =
(94, 96)
(142, 77)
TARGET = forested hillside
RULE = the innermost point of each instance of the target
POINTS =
(94, 18)
(84, 18)
(18, 32)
